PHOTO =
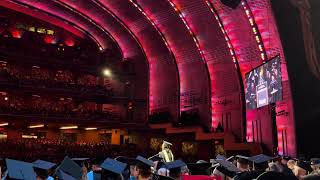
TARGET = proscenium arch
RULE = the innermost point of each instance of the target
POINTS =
(223, 69)
(194, 79)
(164, 79)
(236, 21)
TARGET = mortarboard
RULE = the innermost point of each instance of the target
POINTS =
(227, 168)
(82, 161)
(42, 168)
(242, 159)
(175, 168)
(45, 165)
(167, 143)
(144, 161)
(199, 168)
(175, 164)
(20, 170)
(261, 158)
(260, 161)
(65, 176)
(113, 166)
(70, 167)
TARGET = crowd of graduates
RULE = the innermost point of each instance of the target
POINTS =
(60, 160)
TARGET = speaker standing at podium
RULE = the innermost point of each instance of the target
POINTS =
(166, 153)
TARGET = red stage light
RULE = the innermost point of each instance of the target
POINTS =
(16, 33)
(69, 42)
(50, 39)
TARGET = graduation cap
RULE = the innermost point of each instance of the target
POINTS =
(82, 161)
(43, 164)
(200, 168)
(43, 168)
(227, 168)
(175, 164)
(113, 166)
(20, 170)
(260, 161)
(144, 161)
(175, 168)
(70, 168)
(242, 159)
(167, 143)
(112, 169)
(64, 176)
(261, 158)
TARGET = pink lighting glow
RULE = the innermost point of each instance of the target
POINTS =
(151, 106)
(183, 16)
(69, 42)
(51, 9)
(49, 39)
(16, 33)
(255, 30)
(85, 16)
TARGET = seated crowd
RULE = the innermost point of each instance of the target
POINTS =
(52, 107)
(45, 78)
(56, 150)
(105, 161)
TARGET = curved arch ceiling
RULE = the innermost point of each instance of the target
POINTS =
(103, 39)
(190, 65)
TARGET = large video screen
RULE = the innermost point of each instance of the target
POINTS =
(263, 84)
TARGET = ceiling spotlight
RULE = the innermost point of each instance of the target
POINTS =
(36, 126)
(69, 127)
(107, 72)
(90, 128)
(4, 124)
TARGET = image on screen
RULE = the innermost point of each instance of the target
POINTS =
(263, 84)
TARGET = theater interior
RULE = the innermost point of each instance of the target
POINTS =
(203, 78)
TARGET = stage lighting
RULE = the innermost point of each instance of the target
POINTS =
(90, 128)
(107, 72)
(69, 127)
(4, 124)
(36, 126)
